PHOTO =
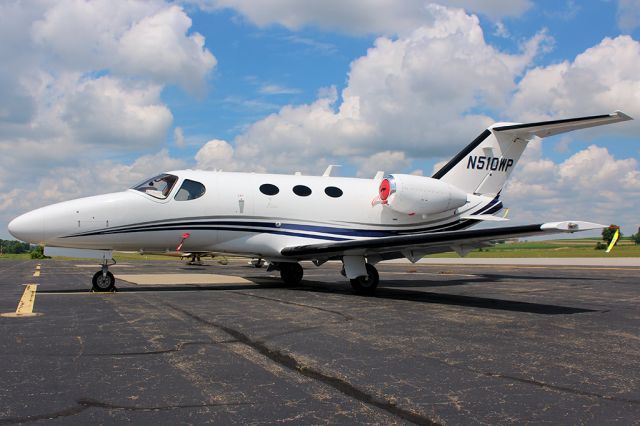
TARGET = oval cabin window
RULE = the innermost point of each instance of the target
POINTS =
(301, 190)
(269, 189)
(333, 192)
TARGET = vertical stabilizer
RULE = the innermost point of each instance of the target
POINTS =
(484, 165)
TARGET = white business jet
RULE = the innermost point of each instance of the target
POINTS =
(286, 219)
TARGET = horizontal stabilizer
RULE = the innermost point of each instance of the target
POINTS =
(544, 129)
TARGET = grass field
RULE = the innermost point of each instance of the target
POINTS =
(550, 248)
(553, 248)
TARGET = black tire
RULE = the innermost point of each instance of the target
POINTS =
(291, 273)
(103, 284)
(366, 285)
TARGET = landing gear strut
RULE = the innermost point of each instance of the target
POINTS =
(103, 280)
(366, 284)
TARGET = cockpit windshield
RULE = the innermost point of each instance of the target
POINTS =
(158, 187)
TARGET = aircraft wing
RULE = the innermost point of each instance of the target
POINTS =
(435, 242)
(549, 128)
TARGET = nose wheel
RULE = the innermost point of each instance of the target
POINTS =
(103, 280)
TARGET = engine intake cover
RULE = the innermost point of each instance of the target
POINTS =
(420, 195)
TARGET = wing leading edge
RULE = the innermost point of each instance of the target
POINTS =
(431, 242)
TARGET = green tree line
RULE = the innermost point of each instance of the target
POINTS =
(14, 247)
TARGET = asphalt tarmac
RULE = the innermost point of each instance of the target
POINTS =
(438, 344)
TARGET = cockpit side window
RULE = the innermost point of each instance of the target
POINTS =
(159, 186)
(190, 190)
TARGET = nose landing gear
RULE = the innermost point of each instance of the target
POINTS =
(103, 281)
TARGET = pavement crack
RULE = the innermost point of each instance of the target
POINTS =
(288, 332)
(561, 388)
(86, 403)
(179, 347)
(290, 362)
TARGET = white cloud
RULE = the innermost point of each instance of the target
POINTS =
(386, 161)
(359, 16)
(80, 84)
(590, 185)
(602, 79)
(178, 137)
(411, 94)
(276, 89)
(94, 107)
(157, 46)
(216, 155)
(132, 38)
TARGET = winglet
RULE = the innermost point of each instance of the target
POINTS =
(614, 240)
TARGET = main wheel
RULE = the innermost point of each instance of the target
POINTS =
(366, 285)
(291, 273)
(103, 283)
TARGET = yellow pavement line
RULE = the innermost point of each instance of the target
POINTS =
(38, 266)
(25, 306)
(36, 274)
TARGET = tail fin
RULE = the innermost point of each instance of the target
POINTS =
(484, 165)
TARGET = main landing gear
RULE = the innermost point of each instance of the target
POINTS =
(363, 276)
(103, 280)
(366, 284)
(291, 273)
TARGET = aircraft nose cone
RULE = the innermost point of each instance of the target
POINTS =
(28, 227)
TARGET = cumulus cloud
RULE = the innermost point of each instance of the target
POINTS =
(602, 79)
(410, 94)
(87, 75)
(157, 46)
(94, 106)
(591, 185)
(135, 38)
(360, 16)
(216, 155)
(80, 84)
(386, 161)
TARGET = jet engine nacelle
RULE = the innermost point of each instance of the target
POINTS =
(420, 195)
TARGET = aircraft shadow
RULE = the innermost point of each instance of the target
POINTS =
(386, 293)
(390, 293)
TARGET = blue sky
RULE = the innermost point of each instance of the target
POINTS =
(97, 95)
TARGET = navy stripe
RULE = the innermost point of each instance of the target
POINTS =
(282, 229)
(461, 155)
(489, 205)
(267, 225)
(211, 228)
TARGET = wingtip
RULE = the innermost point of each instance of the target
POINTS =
(621, 115)
(571, 226)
